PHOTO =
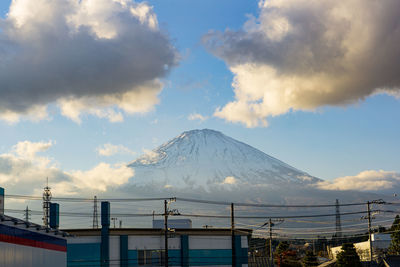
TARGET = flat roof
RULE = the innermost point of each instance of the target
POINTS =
(152, 231)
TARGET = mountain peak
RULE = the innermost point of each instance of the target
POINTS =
(200, 133)
(206, 158)
(204, 131)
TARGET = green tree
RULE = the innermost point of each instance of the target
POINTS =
(394, 248)
(310, 259)
(348, 257)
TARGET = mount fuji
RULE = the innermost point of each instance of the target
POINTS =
(205, 159)
(208, 165)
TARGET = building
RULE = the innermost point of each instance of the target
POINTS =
(174, 223)
(380, 243)
(146, 246)
(24, 244)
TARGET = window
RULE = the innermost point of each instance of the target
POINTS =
(151, 257)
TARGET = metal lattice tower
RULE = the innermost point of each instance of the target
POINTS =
(46, 204)
(95, 215)
(338, 223)
(27, 214)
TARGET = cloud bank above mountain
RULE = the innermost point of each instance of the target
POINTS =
(97, 57)
(199, 162)
(302, 55)
(370, 180)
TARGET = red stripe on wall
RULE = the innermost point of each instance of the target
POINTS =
(31, 243)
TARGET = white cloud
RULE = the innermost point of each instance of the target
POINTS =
(28, 149)
(102, 176)
(141, 100)
(370, 180)
(34, 113)
(197, 116)
(22, 170)
(110, 149)
(302, 55)
(230, 180)
(149, 156)
(97, 57)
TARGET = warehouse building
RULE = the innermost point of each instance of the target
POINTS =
(146, 246)
(24, 244)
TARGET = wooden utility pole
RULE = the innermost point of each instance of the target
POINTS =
(271, 258)
(369, 230)
(233, 235)
(166, 232)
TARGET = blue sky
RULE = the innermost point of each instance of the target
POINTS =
(330, 141)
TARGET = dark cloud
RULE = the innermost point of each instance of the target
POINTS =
(70, 49)
(300, 55)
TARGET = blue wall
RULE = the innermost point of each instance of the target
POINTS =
(83, 254)
(202, 257)
(88, 254)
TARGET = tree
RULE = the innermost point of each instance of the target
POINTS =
(310, 259)
(348, 257)
(282, 247)
(394, 248)
(284, 257)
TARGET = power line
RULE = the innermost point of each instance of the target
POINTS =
(71, 199)
(327, 227)
(82, 214)
(263, 205)
(272, 217)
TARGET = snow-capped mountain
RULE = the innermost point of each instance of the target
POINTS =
(207, 159)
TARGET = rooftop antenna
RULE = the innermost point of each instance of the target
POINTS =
(46, 203)
(95, 215)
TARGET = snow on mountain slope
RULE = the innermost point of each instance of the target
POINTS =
(207, 159)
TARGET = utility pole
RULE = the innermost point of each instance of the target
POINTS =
(379, 201)
(166, 229)
(338, 222)
(271, 224)
(271, 259)
(166, 232)
(233, 235)
(369, 230)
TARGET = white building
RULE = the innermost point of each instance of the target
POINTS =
(146, 246)
(379, 242)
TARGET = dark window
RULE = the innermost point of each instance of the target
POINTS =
(151, 257)
(141, 257)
